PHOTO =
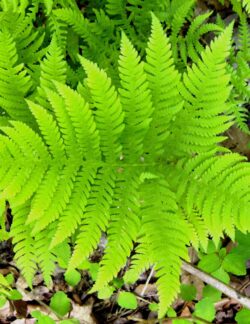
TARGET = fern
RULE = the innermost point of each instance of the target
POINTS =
(206, 113)
(240, 75)
(15, 82)
(246, 5)
(129, 147)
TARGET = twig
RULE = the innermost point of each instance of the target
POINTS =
(147, 282)
(225, 289)
(191, 318)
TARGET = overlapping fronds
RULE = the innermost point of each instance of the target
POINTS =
(240, 75)
(15, 82)
(205, 116)
(201, 192)
(136, 157)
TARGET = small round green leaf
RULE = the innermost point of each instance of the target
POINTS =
(188, 292)
(243, 316)
(210, 263)
(222, 275)
(212, 293)
(60, 303)
(235, 263)
(72, 277)
(127, 300)
(205, 309)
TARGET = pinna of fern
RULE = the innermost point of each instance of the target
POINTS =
(142, 164)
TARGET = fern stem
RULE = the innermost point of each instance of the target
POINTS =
(225, 289)
(147, 282)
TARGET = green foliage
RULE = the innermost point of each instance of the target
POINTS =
(188, 292)
(46, 319)
(213, 294)
(218, 262)
(235, 260)
(42, 318)
(240, 74)
(6, 290)
(205, 309)
(125, 144)
(127, 300)
(60, 303)
(73, 277)
(242, 317)
(153, 307)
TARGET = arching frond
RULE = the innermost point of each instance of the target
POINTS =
(206, 113)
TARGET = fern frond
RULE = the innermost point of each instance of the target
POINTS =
(23, 244)
(205, 107)
(44, 256)
(14, 80)
(96, 216)
(135, 99)
(53, 66)
(207, 175)
(196, 30)
(71, 217)
(116, 8)
(108, 114)
(181, 10)
(141, 164)
(246, 5)
(160, 225)
(163, 81)
(140, 261)
(59, 29)
(75, 20)
(123, 227)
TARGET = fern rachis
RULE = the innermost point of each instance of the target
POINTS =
(141, 163)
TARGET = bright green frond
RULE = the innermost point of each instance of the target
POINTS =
(49, 129)
(96, 216)
(123, 227)
(161, 224)
(108, 113)
(71, 217)
(163, 82)
(14, 81)
(135, 99)
(205, 113)
(88, 139)
(206, 187)
(23, 244)
(53, 68)
(75, 19)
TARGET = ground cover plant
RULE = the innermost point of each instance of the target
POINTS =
(113, 118)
